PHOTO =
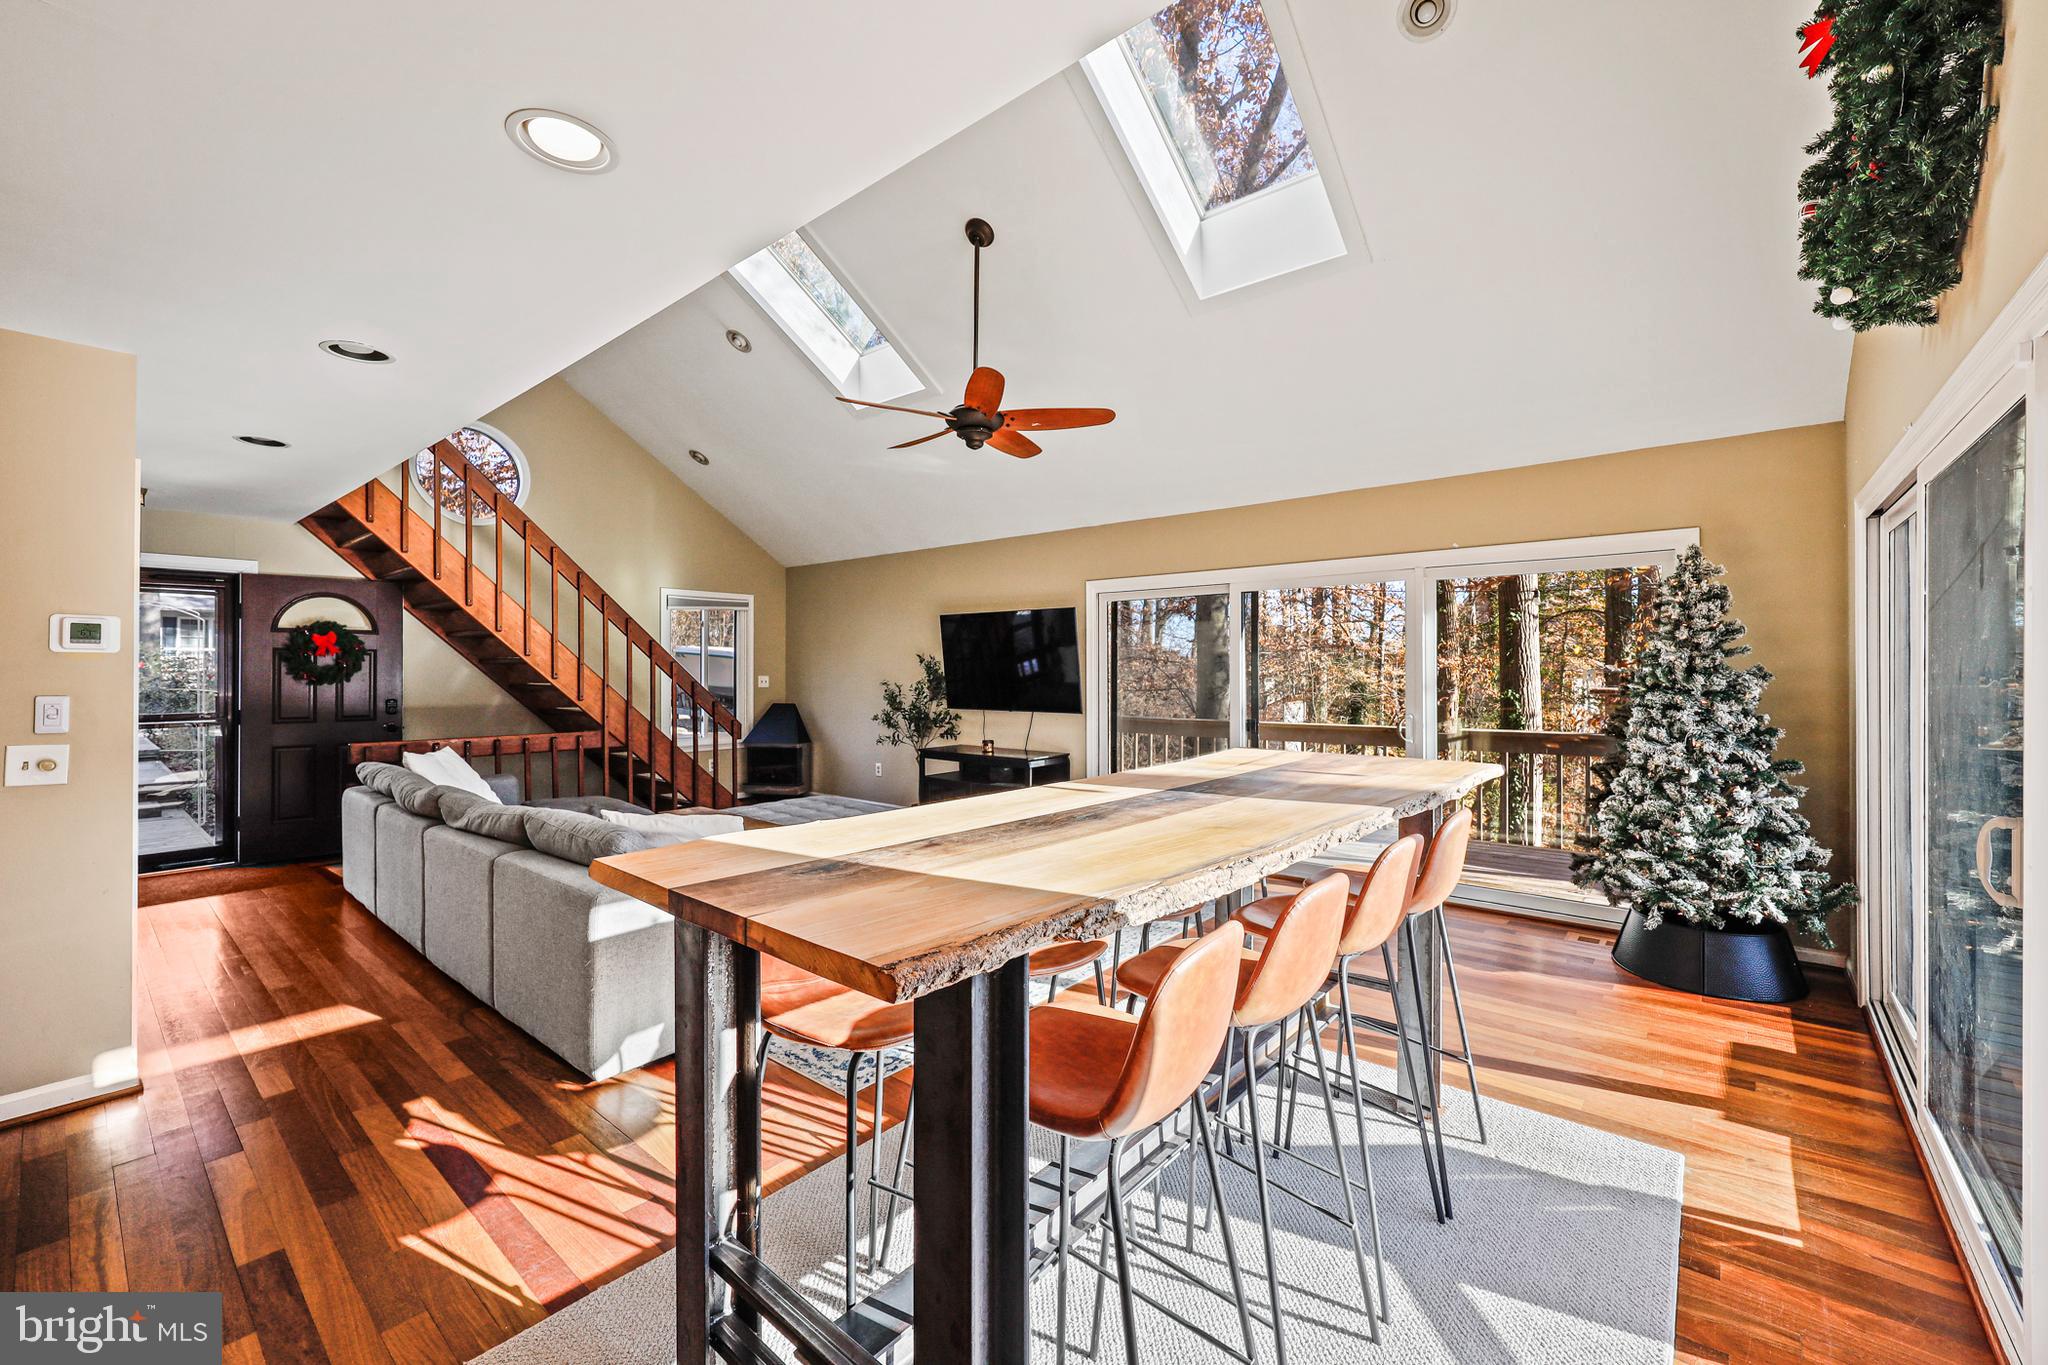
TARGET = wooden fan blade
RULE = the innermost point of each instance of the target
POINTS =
(891, 407)
(1014, 443)
(1054, 419)
(984, 390)
(943, 431)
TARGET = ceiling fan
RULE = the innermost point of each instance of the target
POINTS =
(980, 419)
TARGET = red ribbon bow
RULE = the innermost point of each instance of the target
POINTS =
(326, 646)
(1816, 40)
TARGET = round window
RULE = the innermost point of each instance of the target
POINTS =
(496, 460)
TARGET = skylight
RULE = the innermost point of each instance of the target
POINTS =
(795, 286)
(818, 281)
(1218, 134)
(1214, 80)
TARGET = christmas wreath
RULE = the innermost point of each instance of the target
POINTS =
(1887, 201)
(324, 652)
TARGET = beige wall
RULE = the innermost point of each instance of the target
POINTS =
(627, 520)
(1896, 370)
(1771, 507)
(67, 853)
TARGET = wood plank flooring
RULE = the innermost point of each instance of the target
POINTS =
(369, 1165)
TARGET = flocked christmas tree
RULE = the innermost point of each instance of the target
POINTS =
(1696, 817)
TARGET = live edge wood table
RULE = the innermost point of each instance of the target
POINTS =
(940, 904)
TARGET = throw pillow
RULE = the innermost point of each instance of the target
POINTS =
(472, 814)
(377, 776)
(449, 769)
(414, 794)
(679, 826)
(575, 837)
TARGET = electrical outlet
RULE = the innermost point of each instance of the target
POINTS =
(878, 770)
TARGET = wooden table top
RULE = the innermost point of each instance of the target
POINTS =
(903, 902)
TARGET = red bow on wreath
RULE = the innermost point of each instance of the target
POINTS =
(326, 646)
(1816, 40)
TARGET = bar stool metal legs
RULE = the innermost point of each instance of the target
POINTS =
(1426, 1084)
(852, 1166)
(1464, 1052)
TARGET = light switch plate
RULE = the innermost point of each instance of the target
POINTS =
(38, 765)
(53, 715)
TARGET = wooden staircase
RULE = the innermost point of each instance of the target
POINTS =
(577, 659)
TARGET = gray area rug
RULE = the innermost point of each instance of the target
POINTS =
(1564, 1249)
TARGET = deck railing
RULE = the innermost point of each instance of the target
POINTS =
(646, 704)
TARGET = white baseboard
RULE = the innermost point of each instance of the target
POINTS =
(60, 1095)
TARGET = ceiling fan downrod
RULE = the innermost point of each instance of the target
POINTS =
(981, 234)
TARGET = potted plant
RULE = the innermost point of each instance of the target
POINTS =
(916, 715)
(1696, 829)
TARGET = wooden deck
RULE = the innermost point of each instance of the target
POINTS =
(369, 1165)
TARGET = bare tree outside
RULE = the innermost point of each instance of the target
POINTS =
(1216, 81)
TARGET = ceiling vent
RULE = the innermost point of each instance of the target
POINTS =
(1425, 18)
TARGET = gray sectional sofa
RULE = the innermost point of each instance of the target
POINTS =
(501, 899)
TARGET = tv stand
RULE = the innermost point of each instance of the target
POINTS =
(976, 773)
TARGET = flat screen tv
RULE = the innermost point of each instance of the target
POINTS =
(1012, 660)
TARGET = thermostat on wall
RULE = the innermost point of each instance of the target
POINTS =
(85, 634)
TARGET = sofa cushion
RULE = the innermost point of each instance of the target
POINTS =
(456, 932)
(378, 776)
(472, 814)
(359, 844)
(449, 769)
(803, 810)
(575, 837)
(681, 825)
(588, 805)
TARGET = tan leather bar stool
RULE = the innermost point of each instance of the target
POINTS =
(1378, 907)
(802, 1008)
(1098, 1074)
(1056, 959)
(1454, 837)
(1276, 980)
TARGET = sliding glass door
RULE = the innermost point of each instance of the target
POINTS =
(1169, 677)
(1946, 735)
(1975, 761)
(1513, 655)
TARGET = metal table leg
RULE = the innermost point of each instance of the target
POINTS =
(973, 1306)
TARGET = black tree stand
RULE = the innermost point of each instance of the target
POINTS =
(1749, 963)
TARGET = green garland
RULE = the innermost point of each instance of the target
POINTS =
(323, 652)
(1888, 198)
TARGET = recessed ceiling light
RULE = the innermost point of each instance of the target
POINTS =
(358, 351)
(267, 442)
(700, 457)
(1425, 18)
(561, 140)
(738, 341)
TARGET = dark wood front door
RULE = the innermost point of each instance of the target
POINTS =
(293, 733)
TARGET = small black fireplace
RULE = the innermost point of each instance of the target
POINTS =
(778, 754)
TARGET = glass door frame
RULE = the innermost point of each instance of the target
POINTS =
(743, 639)
(1907, 1035)
(226, 715)
(1912, 469)
(1419, 573)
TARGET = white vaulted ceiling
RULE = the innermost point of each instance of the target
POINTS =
(218, 187)
(1572, 230)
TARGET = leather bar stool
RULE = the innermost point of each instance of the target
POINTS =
(1056, 959)
(1446, 854)
(799, 1007)
(1276, 981)
(1378, 908)
(1098, 1074)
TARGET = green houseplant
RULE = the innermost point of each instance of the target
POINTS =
(917, 714)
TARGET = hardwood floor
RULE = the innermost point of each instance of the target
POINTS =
(369, 1165)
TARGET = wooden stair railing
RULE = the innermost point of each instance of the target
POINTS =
(560, 643)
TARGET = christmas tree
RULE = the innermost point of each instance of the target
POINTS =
(1695, 816)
